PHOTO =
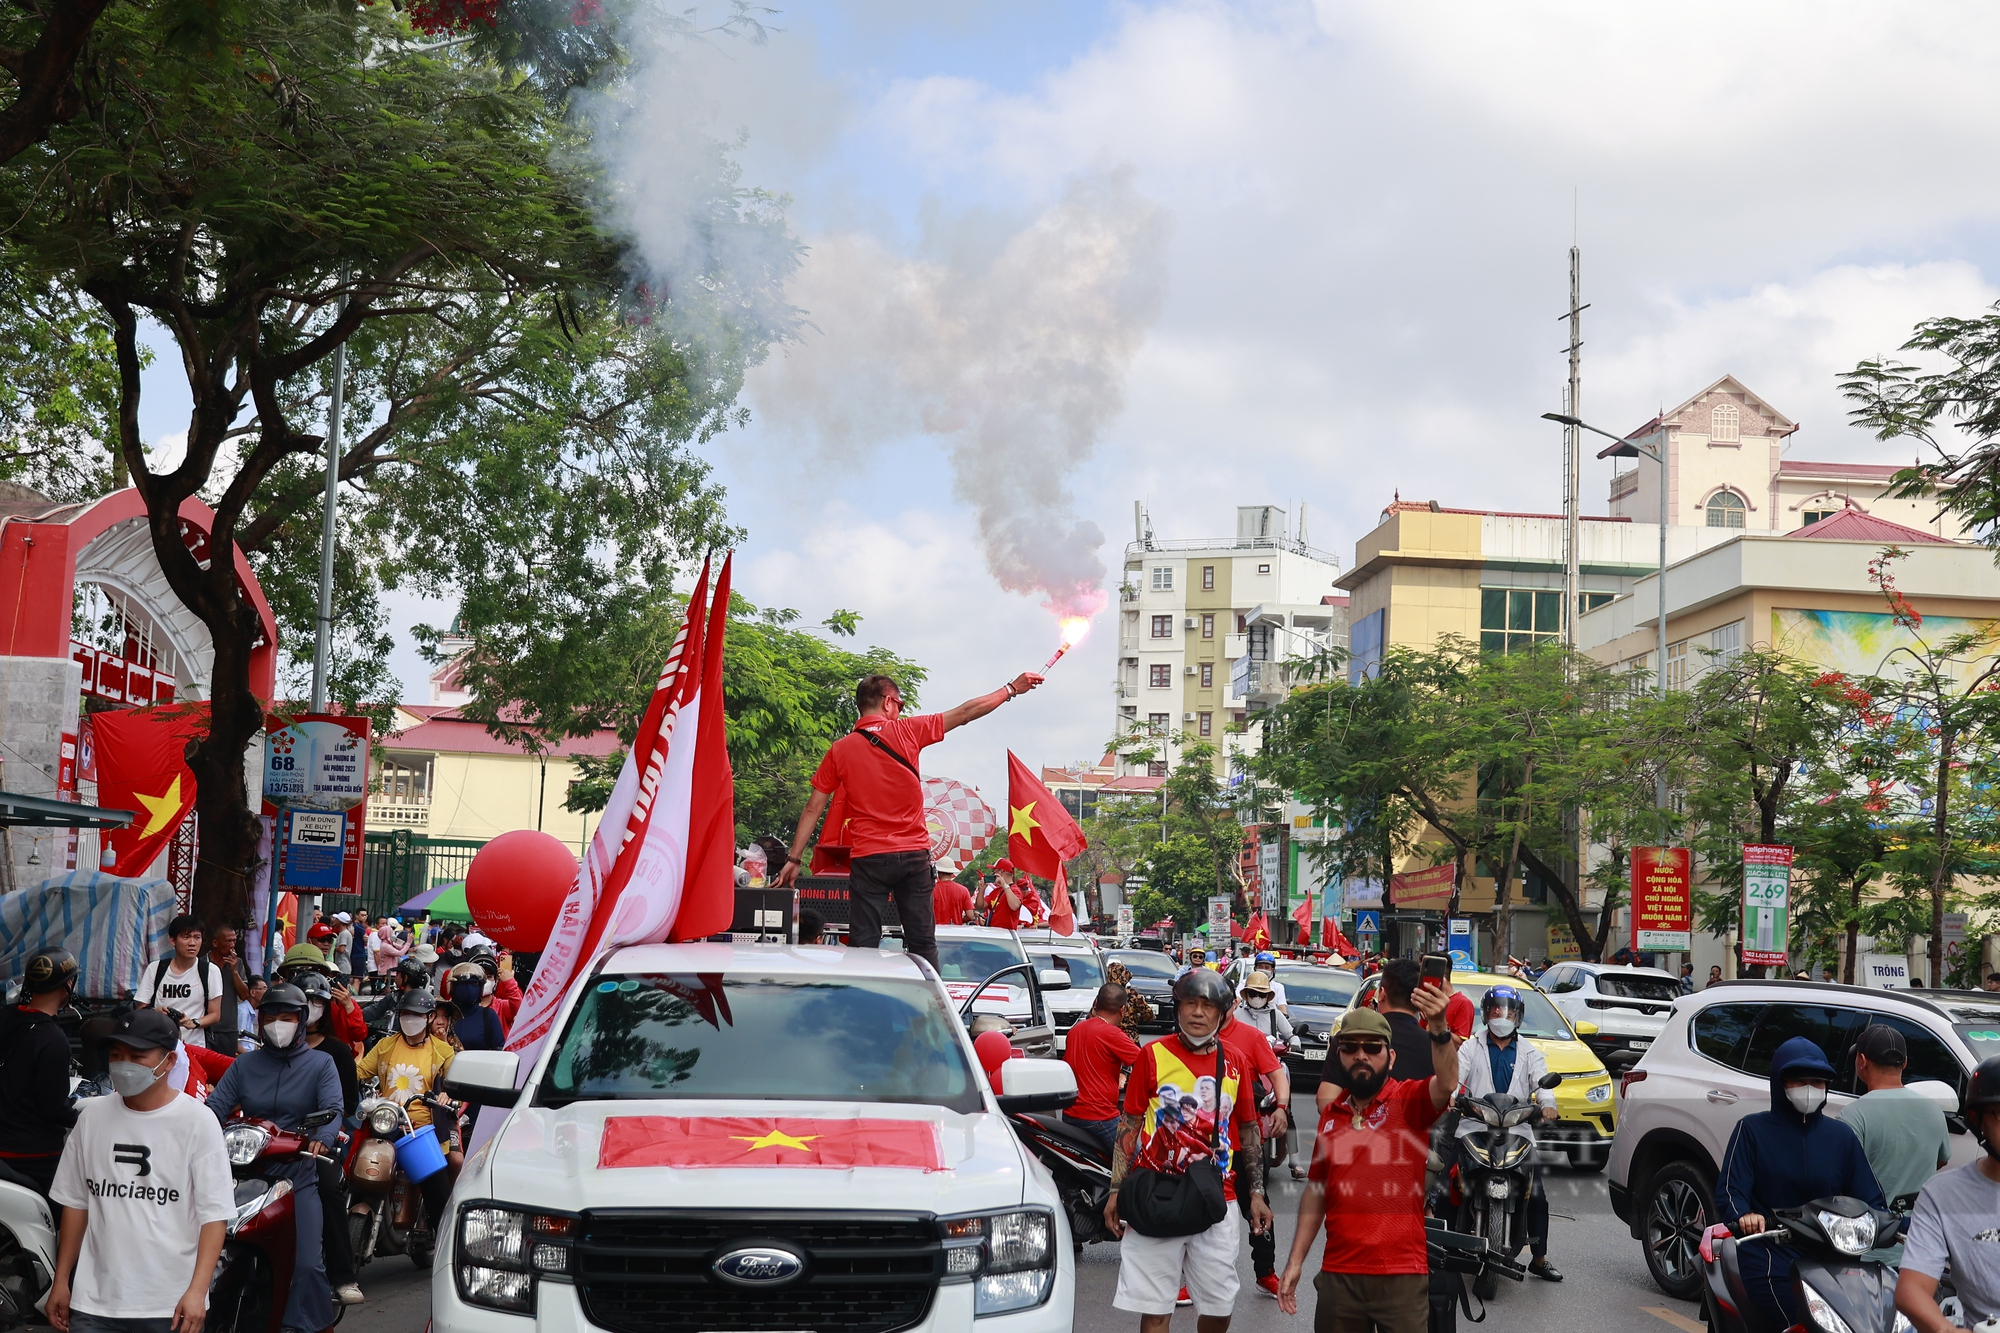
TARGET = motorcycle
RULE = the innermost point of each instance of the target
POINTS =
(1495, 1174)
(1833, 1284)
(386, 1209)
(1081, 1167)
(254, 1276)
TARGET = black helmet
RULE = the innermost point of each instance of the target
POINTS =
(1202, 984)
(283, 998)
(1983, 1091)
(416, 1002)
(50, 969)
(314, 986)
(410, 972)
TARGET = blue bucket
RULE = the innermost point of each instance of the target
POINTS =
(419, 1155)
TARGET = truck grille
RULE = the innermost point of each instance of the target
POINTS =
(642, 1270)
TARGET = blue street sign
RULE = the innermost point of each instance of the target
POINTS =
(314, 842)
(1368, 923)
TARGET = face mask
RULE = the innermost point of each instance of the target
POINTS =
(414, 1025)
(1259, 1001)
(129, 1078)
(1502, 1028)
(1805, 1098)
(487, 989)
(314, 1012)
(465, 994)
(280, 1032)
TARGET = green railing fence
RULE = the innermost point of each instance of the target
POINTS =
(397, 866)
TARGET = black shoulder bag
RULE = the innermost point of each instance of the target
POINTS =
(1156, 1204)
(884, 747)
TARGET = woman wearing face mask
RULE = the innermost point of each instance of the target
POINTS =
(471, 990)
(320, 1035)
(407, 1064)
(1782, 1158)
(1257, 1007)
(284, 1081)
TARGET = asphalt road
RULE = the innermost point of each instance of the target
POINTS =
(1606, 1287)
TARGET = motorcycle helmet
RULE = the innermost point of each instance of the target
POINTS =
(1202, 984)
(416, 1002)
(1266, 960)
(1981, 1092)
(314, 987)
(410, 972)
(49, 969)
(1502, 999)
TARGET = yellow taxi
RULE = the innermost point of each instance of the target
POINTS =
(1586, 1109)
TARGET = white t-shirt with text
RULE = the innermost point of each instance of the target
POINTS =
(149, 1180)
(179, 992)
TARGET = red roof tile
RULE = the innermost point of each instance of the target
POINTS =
(1851, 525)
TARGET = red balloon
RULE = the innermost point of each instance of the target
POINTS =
(516, 885)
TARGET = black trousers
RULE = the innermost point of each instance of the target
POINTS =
(910, 879)
(335, 1242)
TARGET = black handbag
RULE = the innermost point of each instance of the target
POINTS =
(1154, 1203)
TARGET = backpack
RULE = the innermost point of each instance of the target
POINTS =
(201, 966)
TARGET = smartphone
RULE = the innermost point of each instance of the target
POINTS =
(1437, 969)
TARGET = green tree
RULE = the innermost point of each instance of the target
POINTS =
(322, 176)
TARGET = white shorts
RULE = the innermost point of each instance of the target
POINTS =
(1152, 1270)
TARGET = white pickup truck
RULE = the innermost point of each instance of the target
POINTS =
(726, 1137)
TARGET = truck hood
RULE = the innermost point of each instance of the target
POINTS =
(549, 1157)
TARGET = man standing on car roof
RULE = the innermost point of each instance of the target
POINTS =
(875, 768)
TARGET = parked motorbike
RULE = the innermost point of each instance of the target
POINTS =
(1081, 1167)
(1495, 1170)
(385, 1207)
(254, 1276)
(1832, 1283)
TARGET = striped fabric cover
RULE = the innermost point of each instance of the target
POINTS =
(114, 926)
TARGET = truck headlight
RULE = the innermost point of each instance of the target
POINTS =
(1009, 1257)
(503, 1252)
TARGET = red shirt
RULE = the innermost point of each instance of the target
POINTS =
(885, 801)
(950, 901)
(1459, 1013)
(1174, 1092)
(1005, 916)
(1252, 1047)
(1374, 1180)
(1097, 1050)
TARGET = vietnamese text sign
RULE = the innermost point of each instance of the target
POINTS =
(1459, 938)
(1361, 893)
(1562, 941)
(1767, 893)
(1662, 911)
(320, 762)
(1884, 971)
(314, 842)
(1218, 920)
(1125, 928)
(1423, 888)
(1268, 876)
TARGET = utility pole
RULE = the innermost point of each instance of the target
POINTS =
(323, 630)
(1573, 452)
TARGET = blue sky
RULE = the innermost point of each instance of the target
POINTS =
(1278, 250)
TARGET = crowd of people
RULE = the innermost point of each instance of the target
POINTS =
(204, 1040)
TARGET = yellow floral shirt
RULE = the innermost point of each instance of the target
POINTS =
(403, 1071)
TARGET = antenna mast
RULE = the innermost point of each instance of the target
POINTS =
(1573, 451)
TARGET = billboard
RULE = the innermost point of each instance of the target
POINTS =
(1662, 908)
(1767, 893)
(319, 762)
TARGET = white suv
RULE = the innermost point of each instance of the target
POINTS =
(1711, 1066)
(1075, 956)
(1629, 1005)
(722, 1136)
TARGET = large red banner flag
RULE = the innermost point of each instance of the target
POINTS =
(142, 767)
(754, 1141)
(656, 848)
(1041, 836)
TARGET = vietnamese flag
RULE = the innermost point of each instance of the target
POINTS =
(755, 1141)
(1303, 914)
(1041, 836)
(142, 767)
(1256, 933)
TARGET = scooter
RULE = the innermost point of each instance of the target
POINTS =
(1835, 1287)
(254, 1276)
(1081, 1167)
(1496, 1140)
(386, 1209)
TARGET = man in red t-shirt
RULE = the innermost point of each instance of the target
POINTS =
(1012, 903)
(1097, 1049)
(875, 766)
(1189, 1099)
(950, 901)
(1376, 1137)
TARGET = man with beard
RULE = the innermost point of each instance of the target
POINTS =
(1376, 1137)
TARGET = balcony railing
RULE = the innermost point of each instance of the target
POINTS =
(399, 814)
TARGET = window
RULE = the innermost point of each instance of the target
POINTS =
(1590, 601)
(1208, 675)
(1562, 980)
(1240, 621)
(1208, 578)
(1263, 569)
(1929, 1056)
(1724, 424)
(1156, 723)
(1721, 1030)
(1725, 510)
(1159, 675)
(1513, 619)
(1677, 665)
(1156, 768)
(1163, 627)
(1237, 718)
(1831, 1029)
(405, 779)
(1728, 640)
(1812, 516)
(1163, 578)
(1208, 627)
(1207, 723)
(1664, 990)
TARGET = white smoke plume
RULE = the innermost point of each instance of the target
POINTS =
(1017, 364)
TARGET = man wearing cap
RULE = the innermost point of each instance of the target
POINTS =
(1375, 1139)
(1902, 1132)
(1015, 905)
(343, 942)
(874, 767)
(146, 1193)
(35, 1110)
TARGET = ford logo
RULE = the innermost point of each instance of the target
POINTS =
(759, 1266)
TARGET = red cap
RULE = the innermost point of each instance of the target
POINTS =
(1003, 864)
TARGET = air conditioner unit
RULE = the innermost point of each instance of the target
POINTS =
(1187, 717)
(1194, 671)
(1192, 623)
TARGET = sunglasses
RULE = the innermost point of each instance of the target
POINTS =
(1361, 1047)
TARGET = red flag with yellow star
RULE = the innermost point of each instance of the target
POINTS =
(142, 767)
(702, 1140)
(1041, 836)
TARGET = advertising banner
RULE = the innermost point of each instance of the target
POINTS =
(1126, 929)
(317, 761)
(1423, 889)
(1562, 942)
(1662, 909)
(1218, 920)
(1268, 877)
(1767, 893)
(1460, 941)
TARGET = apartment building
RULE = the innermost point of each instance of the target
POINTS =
(1205, 628)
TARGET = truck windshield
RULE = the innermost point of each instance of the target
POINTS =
(651, 1036)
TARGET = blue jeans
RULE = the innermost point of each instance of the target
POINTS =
(82, 1321)
(1104, 1131)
